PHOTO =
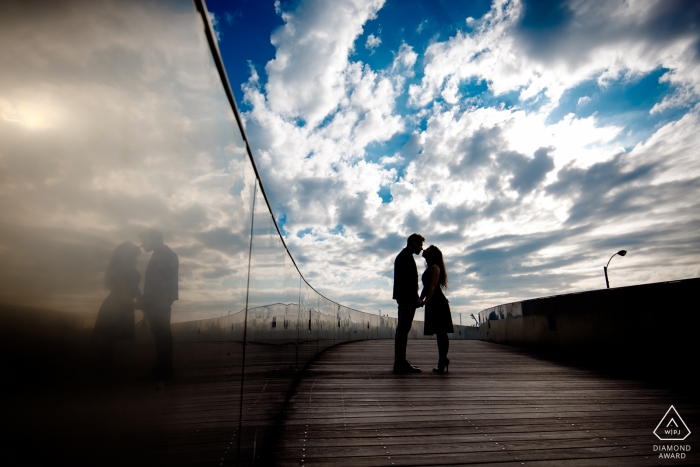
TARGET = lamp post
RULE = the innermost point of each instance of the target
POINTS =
(605, 268)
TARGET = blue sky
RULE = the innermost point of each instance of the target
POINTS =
(528, 140)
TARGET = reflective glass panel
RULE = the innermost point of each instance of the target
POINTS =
(126, 197)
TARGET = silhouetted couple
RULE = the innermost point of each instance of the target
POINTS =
(438, 319)
(115, 320)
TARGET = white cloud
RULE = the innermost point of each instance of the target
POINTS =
(682, 97)
(215, 24)
(372, 42)
(306, 80)
(605, 42)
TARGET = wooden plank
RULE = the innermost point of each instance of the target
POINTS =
(498, 404)
(130, 420)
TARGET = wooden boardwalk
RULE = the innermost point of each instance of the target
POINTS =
(498, 405)
(190, 420)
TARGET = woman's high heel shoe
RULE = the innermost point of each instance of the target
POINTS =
(443, 366)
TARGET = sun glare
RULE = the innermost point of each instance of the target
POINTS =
(33, 116)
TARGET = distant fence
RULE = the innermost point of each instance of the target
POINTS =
(287, 323)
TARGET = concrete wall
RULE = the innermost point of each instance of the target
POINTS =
(661, 316)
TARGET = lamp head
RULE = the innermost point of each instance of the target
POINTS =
(622, 252)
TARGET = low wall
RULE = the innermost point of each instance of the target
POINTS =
(651, 318)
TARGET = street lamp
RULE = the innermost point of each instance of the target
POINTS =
(605, 268)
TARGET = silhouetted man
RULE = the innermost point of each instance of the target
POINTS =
(406, 295)
(160, 290)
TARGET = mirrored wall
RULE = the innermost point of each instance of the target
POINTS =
(150, 311)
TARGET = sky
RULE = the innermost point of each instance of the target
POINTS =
(529, 141)
(113, 121)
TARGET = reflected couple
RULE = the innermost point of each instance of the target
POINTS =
(115, 320)
(438, 318)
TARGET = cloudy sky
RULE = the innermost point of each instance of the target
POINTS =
(113, 121)
(528, 140)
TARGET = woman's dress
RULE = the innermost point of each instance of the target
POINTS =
(115, 320)
(438, 318)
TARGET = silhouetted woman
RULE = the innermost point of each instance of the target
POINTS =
(438, 319)
(115, 320)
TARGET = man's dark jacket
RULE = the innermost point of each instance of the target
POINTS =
(160, 288)
(405, 278)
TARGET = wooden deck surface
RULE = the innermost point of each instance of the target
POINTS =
(189, 420)
(498, 405)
